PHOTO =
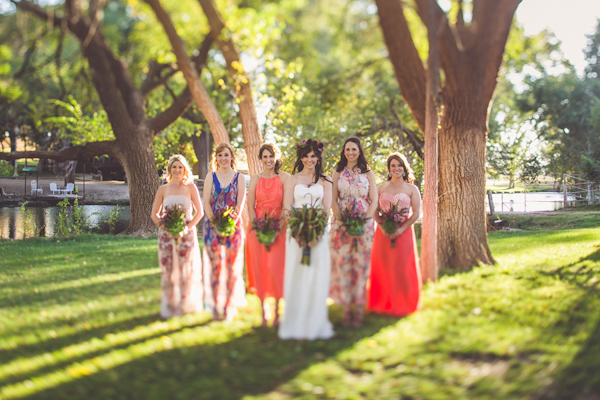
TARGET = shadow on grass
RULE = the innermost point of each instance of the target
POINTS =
(254, 363)
(581, 272)
(579, 380)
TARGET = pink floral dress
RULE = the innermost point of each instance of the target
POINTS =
(351, 255)
(180, 266)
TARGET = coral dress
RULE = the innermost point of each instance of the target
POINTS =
(223, 256)
(180, 266)
(350, 255)
(305, 287)
(395, 275)
(264, 269)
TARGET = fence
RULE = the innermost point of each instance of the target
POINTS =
(578, 191)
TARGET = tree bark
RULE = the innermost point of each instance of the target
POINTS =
(202, 148)
(429, 259)
(137, 157)
(243, 87)
(470, 56)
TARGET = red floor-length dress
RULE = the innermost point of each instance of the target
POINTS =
(395, 287)
(264, 268)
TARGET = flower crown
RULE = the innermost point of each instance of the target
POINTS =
(313, 144)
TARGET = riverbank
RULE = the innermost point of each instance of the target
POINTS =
(89, 191)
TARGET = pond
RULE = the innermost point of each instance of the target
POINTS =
(42, 221)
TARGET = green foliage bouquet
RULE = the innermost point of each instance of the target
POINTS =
(307, 226)
(224, 222)
(173, 220)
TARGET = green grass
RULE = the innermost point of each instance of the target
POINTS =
(79, 320)
(520, 188)
(571, 218)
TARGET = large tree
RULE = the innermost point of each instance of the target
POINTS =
(123, 101)
(470, 56)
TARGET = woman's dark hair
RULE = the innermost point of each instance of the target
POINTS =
(361, 163)
(302, 150)
(273, 150)
(409, 175)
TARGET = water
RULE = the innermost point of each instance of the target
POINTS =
(14, 225)
(529, 202)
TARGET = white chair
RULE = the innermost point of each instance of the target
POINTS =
(69, 189)
(54, 189)
(35, 189)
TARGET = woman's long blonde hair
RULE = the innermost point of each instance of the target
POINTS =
(188, 177)
(219, 149)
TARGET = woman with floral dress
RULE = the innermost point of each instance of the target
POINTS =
(224, 189)
(179, 257)
(354, 190)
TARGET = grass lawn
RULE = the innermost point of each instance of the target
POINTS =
(79, 320)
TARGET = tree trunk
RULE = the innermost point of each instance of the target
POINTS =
(202, 148)
(429, 259)
(461, 207)
(137, 158)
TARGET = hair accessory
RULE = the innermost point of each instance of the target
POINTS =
(313, 144)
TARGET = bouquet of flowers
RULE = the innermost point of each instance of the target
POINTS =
(353, 221)
(224, 222)
(173, 220)
(307, 226)
(392, 219)
(266, 229)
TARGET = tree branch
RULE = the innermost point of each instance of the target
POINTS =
(184, 100)
(154, 77)
(82, 152)
(52, 19)
(408, 66)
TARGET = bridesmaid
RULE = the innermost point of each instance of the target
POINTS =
(179, 258)
(354, 188)
(395, 274)
(265, 196)
(224, 262)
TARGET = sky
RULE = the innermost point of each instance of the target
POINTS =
(570, 20)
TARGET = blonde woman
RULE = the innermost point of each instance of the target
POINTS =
(179, 257)
(224, 189)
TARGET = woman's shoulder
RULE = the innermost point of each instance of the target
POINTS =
(325, 180)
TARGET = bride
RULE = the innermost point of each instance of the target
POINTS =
(306, 287)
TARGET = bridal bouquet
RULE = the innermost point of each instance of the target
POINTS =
(307, 226)
(173, 220)
(392, 219)
(224, 222)
(266, 229)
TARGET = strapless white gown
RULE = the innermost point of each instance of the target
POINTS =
(306, 287)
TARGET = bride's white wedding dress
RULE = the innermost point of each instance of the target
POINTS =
(306, 287)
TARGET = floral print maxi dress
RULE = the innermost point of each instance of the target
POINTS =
(351, 255)
(223, 256)
(180, 266)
